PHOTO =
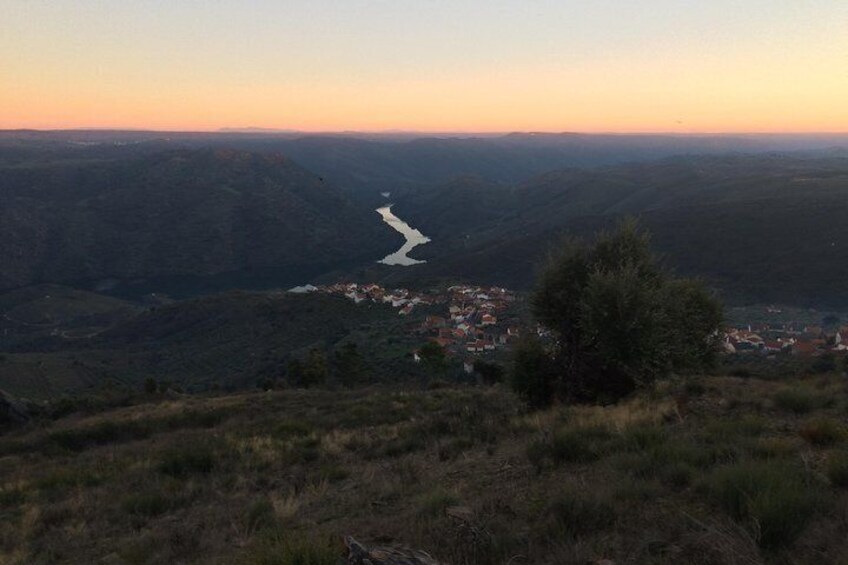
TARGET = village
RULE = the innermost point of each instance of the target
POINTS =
(467, 321)
(471, 321)
(786, 339)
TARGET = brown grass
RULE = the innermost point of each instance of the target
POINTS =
(281, 476)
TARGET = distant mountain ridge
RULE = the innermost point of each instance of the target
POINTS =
(365, 164)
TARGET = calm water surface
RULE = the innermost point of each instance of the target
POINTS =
(414, 238)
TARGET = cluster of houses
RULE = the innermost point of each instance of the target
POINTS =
(469, 321)
(478, 320)
(771, 339)
(465, 320)
(402, 299)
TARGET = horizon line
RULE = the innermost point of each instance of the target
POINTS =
(396, 131)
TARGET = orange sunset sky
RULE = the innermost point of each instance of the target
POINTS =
(461, 65)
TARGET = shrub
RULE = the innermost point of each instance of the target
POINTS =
(333, 472)
(632, 490)
(643, 437)
(146, 504)
(797, 400)
(150, 385)
(570, 445)
(837, 469)
(775, 447)
(433, 356)
(822, 432)
(824, 364)
(312, 371)
(275, 548)
(575, 513)
(677, 474)
(638, 465)
(449, 450)
(291, 428)
(577, 445)
(305, 450)
(260, 515)
(63, 478)
(435, 503)
(99, 434)
(11, 497)
(195, 419)
(694, 387)
(532, 373)
(773, 499)
(190, 459)
(729, 430)
(490, 373)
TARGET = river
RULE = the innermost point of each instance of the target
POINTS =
(413, 237)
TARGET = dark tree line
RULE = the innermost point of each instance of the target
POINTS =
(345, 366)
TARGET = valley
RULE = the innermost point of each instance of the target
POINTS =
(165, 398)
(423, 283)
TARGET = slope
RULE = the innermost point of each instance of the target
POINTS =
(241, 217)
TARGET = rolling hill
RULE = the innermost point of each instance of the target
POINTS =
(177, 220)
(365, 164)
(230, 340)
(761, 228)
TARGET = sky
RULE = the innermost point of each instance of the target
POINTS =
(428, 65)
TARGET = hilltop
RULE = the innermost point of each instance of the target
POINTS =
(719, 470)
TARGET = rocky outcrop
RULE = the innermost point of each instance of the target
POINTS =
(359, 554)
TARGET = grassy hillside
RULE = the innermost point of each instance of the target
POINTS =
(720, 470)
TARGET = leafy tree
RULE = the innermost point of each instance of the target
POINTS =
(308, 372)
(491, 373)
(314, 369)
(265, 383)
(348, 364)
(433, 356)
(150, 385)
(618, 319)
(295, 371)
(826, 363)
(533, 374)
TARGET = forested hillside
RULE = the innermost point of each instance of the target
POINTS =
(129, 213)
(762, 228)
(232, 341)
(237, 216)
